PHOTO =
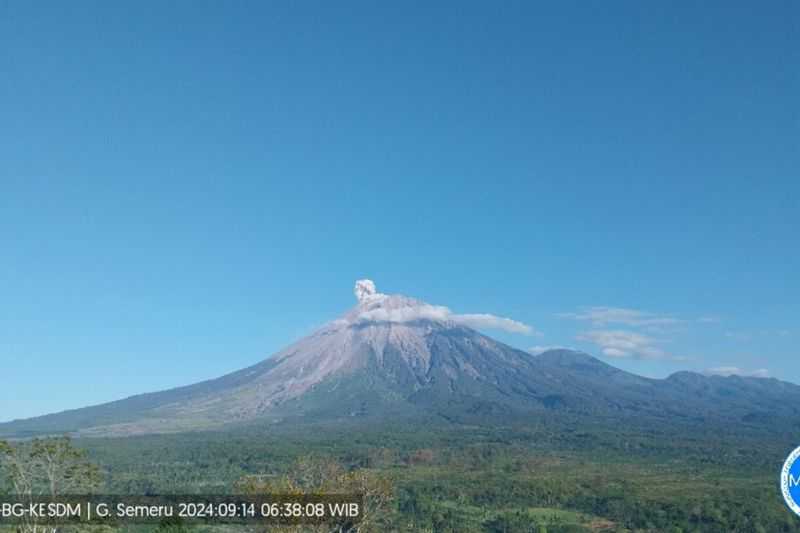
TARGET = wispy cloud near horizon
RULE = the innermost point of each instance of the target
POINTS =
(641, 337)
(536, 350)
(603, 316)
(622, 344)
(736, 371)
(485, 320)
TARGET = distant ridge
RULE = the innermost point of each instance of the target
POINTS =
(392, 355)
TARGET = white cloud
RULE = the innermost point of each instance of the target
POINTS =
(401, 309)
(746, 336)
(625, 344)
(536, 350)
(736, 371)
(440, 313)
(407, 313)
(603, 316)
(621, 343)
(484, 320)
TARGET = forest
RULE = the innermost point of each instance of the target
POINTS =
(520, 478)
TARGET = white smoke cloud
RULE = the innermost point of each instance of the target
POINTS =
(736, 371)
(365, 290)
(402, 310)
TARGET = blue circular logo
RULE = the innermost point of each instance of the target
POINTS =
(790, 481)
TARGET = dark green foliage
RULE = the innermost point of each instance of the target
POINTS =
(548, 476)
(173, 525)
(48, 467)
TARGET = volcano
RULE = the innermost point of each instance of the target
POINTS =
(395, 356)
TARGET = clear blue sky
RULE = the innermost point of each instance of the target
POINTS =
(186, 187)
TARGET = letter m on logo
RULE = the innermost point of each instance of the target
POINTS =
(794, 481)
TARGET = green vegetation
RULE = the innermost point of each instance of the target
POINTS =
(475, 479)
(45, 467)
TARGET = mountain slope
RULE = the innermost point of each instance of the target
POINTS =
(396, 356)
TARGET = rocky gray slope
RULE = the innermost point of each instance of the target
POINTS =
(395, 356)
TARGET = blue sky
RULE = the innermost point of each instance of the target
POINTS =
(186, 187)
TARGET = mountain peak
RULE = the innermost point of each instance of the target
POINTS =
(375, 308)
(378, 308)
(395, 354)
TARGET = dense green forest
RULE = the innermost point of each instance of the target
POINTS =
(470, 479)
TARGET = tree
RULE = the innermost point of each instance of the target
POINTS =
(320, 476)
(46, 468)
